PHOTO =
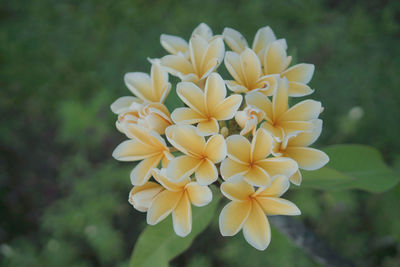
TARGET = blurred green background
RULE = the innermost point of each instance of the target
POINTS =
(63, 199)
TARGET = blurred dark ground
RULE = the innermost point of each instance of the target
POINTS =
(63, 199)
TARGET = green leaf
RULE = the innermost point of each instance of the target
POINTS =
(159, 244)
(352, 167)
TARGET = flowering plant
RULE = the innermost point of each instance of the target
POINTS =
(250, 143)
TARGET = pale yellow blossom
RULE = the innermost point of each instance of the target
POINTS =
(249, 118)
(273, 58)
(204, 57)
(262, 39)
(296, 148)
(152, 116)
(150, 88)
(245, 68)
(174, 197)
(248, 209)
(175, 44)
(149, 147)
(276, 61)
(206, 108)
(282, 121)
(200, 156)
(250, 159)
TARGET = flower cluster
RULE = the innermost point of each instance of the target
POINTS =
(247, 141)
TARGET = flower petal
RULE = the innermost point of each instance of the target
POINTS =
(251, 67)
(186, 116)
(215, 92)
(192, 96)
(296, 178)
(226, 109)
(256, 229)
(237, 189)
(140, 197)
(182, 167)
(172, 185)
(162, 206)
(277, 188)
(256, 176)
(132, 150)
(275, 58)
(206, 173)
(208, 127)
(260, 101)
(215, 148)
(233, 216)
(276, 131)
(278, 166)
(142, 172)
(280, 99)
(182, 217)
(212, 57)
(278, 206)
(300, 73)
(140, 85)
(261, 145)
(143, 135)
(307, 138)
(308, 158)
(173, 44)
(234, 40)
(159, 81)
(297, 89)
(292, 128)
(234, 67)
(236, 87)
(203, 30)
(197, 48)
(231, 167)
(199, 195)
(238, 148)
(263, 38)
(122, 104)
(186, 139)
(177, 65)
(304, 111)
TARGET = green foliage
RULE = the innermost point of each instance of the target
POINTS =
(157, 245)
(352, 167)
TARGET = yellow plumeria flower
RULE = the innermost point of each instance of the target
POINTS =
(176, 198)
(149, 147)
(175, 44)
(273, 57)
(204, 58)
(262, 39)
(248, 209)
(249, 118)
(245, 68)
(152, 116)
(296, 148)
(200, 156)
(206, 108)
(282, 121)
(153, 88)
(276, 61)
(250, 159)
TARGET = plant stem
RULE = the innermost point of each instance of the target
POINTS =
(306, 239)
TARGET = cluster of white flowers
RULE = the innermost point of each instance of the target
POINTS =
(251, 143)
